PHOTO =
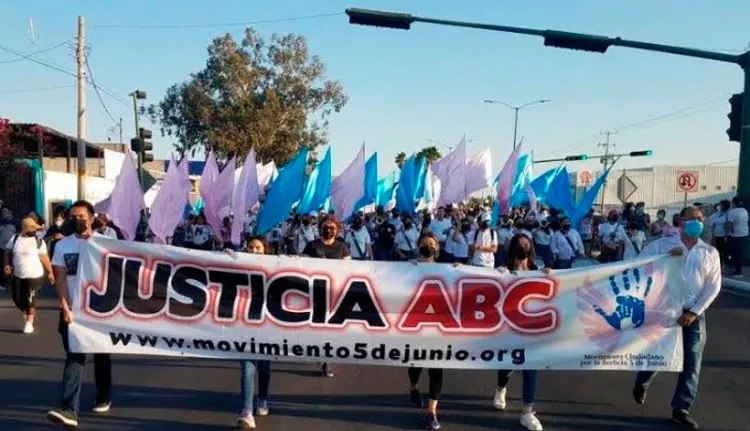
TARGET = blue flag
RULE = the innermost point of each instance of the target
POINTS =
(286, 190)
(371, 183)
(587, 201)
(406, 187)
(385, 188)
(559, 195)
(317, 186)
(542, 184)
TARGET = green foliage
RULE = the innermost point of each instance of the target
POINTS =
(272, 95)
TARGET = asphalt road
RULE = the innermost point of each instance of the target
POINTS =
(161, 394)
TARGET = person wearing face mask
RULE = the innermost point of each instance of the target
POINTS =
(612, 238)
(504, 234)
(66, 269)
(640, 218)
(738, 235)
(429, 250)
(56, 231)
(521, 257)
(306, 233)
(406, 240)
(484, 244)
(358, 240)
(719, 224)
(26, 262)
(565, 244)
(458, 240)
(249, 369)
(519, 226)
(658, 226)
(101, 225)
(701, 283)
(542, 238)
(635, 241)
(586, 229)
(328, 246)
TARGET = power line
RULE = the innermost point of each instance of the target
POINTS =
(31, 90)
(96, 90)
(26, 57)
(226, 24)
(662, 118)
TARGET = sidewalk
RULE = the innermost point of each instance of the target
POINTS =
(740, 284)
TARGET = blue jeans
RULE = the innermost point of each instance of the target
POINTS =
(545, 252)
(247, 381)
(693, 343)
(563, 264)
(73, 374)
(529, 383)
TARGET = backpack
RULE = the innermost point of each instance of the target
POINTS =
(476, 235)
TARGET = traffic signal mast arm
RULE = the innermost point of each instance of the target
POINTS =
(611, 157)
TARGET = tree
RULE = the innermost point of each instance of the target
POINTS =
(11, 157)
(270, 95)
(400, 159)
(431, 154)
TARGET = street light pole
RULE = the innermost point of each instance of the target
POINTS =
(590, 43)
(516, 109)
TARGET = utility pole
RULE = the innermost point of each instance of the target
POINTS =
(81, 133)
(607, 145)
(121, 141)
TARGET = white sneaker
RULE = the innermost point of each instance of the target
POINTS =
(530, 422)
(499, 401)
(28, 328)
(246, 421)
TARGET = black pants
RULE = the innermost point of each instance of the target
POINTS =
(23, 291)
(736, 250)
(436, 380)
(722, 246)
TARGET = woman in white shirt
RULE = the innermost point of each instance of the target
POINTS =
(358, 240)
(203, 235)
(406, 239)
(634, 242)
(458, 241)
(719, 224)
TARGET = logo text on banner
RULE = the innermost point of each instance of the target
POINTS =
(138, 298)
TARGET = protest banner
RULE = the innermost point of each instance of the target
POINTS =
(137, 298)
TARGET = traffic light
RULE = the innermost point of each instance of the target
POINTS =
(145, 136)
(578, 157)
(575, 41)
(735, 117)
(641, 153)
(399, 21)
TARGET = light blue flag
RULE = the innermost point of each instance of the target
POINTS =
(371, 183)
(559, 195)
(385, 189)
(542, 184)
(587, 201)
(286, 190)
(317, 186)
(420, 179)
(523, 176)
(198, 207)
(406, 187)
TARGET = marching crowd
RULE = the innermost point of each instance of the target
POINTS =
(458, 235)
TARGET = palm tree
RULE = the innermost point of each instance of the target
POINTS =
(430, 154)
(400, 159)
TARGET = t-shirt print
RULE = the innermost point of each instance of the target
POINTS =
(71, 263)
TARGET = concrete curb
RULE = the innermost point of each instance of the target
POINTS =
(740, 286)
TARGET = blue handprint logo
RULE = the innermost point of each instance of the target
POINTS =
(630, 301)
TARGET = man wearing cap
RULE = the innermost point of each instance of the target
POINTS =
(26, 261)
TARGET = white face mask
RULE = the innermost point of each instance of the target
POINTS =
(58, 222)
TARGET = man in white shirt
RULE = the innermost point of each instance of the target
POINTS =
(406, 239)
(441, 226)
(738, 233)
(484, 244)
(565, 244)
(65, 266)
(701, 285)
(26, 261)
(612, 238)
(358, 240)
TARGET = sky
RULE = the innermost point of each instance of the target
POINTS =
(406, 88)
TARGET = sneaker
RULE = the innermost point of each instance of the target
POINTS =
(431, 421)
(63, 417)
(415, 398)
(102, 407)
(262, 407)
(326, 370)
(499, 401)
(28, 328)
(530, 422)
(639, 394)
(683, 418)
(246, 421)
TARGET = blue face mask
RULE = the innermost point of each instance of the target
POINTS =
(693, 228)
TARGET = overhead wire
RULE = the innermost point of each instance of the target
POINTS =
(32, 90)
(26, 57)
(214, 25)
(98, 94)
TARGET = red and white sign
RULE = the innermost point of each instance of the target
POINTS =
(138, 298)
(585, 178)
(687, 181)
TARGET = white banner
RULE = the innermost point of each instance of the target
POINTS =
(137, 298)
